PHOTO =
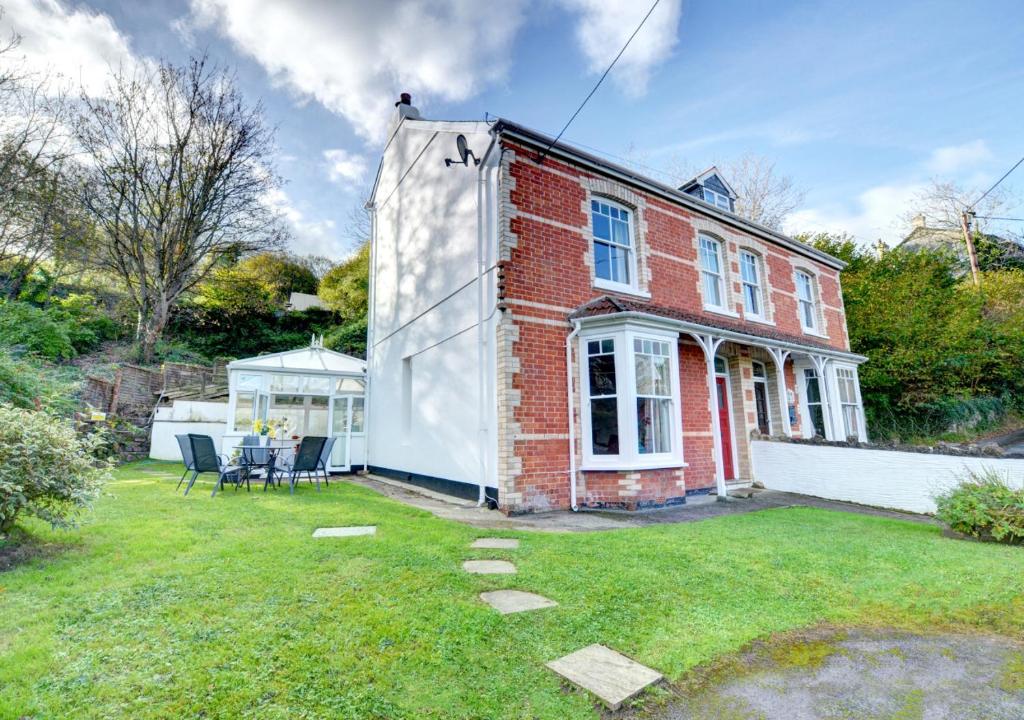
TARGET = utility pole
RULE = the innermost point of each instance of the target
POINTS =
(965, 224)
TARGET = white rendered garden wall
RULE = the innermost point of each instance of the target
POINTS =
(884, 478)
(185, 416)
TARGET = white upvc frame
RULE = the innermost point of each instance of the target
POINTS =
(806, 425)
(632, 250)
(716, 198)
(727, 376)
(629, 457)
(767, 397)
(757, 284)
(721, 275)
(813, 302)
(839, 416)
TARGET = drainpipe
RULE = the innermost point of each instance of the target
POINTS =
(372, 208)
(570, 406)
(482, 196)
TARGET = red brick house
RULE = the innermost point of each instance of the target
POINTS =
(551, 330)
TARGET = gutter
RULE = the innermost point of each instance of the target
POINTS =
(570, 405)
(567, 152)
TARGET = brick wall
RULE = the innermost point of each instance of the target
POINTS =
(546, 241)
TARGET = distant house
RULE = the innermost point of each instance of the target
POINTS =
(304, 301)
(554, 330)
(945, 239)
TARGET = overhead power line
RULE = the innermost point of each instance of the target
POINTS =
(1005, 219)
(985, 194)
(540, 158)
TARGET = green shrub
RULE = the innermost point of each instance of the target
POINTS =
(32, 384)
(26, 326)
(46, 469)
(983, 505)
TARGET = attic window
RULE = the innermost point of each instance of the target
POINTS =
(717, 199)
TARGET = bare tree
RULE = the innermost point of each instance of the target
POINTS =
(319, 265)
(33, 152)
(177, 176)
(764, 196)
(940, 203)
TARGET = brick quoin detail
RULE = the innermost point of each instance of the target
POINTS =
(546, 243)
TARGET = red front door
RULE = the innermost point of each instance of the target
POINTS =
(723, 426)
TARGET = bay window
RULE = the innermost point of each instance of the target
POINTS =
(630, 399)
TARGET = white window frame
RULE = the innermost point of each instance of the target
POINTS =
(810, 303)
(717, 199)
(757, 285)
(719, 275)
(856, 404)
(763, 379)
(633, 286)
(629, 457)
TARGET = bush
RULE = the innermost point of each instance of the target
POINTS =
(31, 384)
(46, 469)
(70, 326)
(983, 505)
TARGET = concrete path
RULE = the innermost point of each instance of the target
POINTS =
(862, 675)
(698, 507)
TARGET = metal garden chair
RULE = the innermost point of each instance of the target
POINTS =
(186, 456)
(307, 460)
(325, 457)
(206, 460)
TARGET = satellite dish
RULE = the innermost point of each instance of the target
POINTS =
(464, 153)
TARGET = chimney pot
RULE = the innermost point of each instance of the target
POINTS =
(404, 99)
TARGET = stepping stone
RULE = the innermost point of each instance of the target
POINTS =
(345, 531)
(513, 601)
(496, 544)
(609, 675)
(489, 567)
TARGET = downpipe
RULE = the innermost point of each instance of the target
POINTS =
(570, 407)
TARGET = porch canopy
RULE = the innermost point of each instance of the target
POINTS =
(820, 359)
(314, 390)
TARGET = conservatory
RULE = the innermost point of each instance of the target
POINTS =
(310, 391)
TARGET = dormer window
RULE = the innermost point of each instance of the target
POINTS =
(716, 199)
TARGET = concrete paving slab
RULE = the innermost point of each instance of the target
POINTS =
(345, 531)
(609, 675)
(489, 567)
(513, 601)
(496, 543)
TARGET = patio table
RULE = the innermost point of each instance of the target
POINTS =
(274, 449)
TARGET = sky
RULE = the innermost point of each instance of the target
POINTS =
(862, 103)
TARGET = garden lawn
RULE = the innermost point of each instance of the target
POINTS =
(164, 606)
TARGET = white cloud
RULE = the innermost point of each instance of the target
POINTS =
(74, 45)
(954, 158)
(344, 168)
(315, 237)
(605, 25)
(878, 212)
(355, 57)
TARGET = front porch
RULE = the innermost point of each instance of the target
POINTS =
(658, 426)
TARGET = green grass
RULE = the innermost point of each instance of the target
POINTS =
(162, 606)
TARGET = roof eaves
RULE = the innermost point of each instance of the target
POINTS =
(528, 135)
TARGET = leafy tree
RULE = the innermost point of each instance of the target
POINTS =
(346, 287)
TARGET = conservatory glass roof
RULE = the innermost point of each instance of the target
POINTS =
(314, 358)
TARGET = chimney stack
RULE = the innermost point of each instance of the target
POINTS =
(918, 221)
(405, 109)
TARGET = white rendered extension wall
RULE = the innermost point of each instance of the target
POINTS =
(185, 416)
(423, 413)
(884, 478)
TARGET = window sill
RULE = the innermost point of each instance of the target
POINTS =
(722, 311)
(631, 466)
(759, 320)
(814, 333)
(620, 288)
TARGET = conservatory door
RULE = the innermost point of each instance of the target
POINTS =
(341, 428)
